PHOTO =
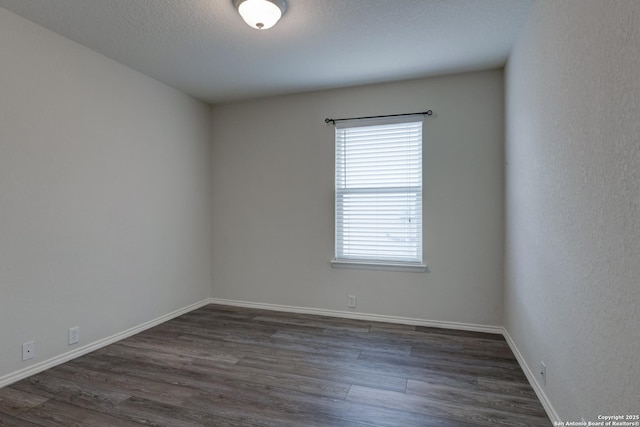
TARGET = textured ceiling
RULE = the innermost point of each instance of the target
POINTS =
(203, 47)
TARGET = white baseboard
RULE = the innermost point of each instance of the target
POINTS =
(361, 316)
(542, 396)
(65, 357)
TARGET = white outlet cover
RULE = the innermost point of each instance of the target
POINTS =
(74, 335)
(28, 350)
(543, 373)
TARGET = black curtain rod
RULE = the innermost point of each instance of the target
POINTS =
(426, 113)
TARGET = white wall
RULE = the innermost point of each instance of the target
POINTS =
(104, 195)
(572, 293)
(273, 201)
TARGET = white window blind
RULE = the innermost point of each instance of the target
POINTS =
(379, 191)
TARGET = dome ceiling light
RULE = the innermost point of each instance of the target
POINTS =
(260, 14)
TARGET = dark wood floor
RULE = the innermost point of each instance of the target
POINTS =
(225, 366)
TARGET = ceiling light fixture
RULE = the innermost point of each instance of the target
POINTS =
(260, 14)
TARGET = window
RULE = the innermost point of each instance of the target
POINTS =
(378, 194)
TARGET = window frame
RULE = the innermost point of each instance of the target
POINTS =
(339, 260)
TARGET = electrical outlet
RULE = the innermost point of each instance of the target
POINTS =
(352, 301)
(543, 373)
(74, 335)
(28, 350)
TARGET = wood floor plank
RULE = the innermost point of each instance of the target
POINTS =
(314, 321)
(266, 340)
(262, 409)
(145, 370)
(443, 409)
(506, 387)
(342, 412)
(458, 333)
(225, 326)
(274, 378)
(364, 368)
(150, 412)
(397, 337)
(329, 373)
(205, 368)
(51, 387)
(462, 358)
(370, 415)
(361, 345)
(276, 348)
(182, 348)
(390, 327)
(53, 413)
(140, 351)
(230, 328)
(475, 353)
(512, 372)
(503, 402)
(13, 401)
(9, 421)
(169, 394)
(304, 346)
(234, 366)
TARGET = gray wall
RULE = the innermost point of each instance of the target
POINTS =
(273, 201)
(104, 195)
(573, 203)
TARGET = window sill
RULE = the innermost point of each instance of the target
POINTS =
(384, 266)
